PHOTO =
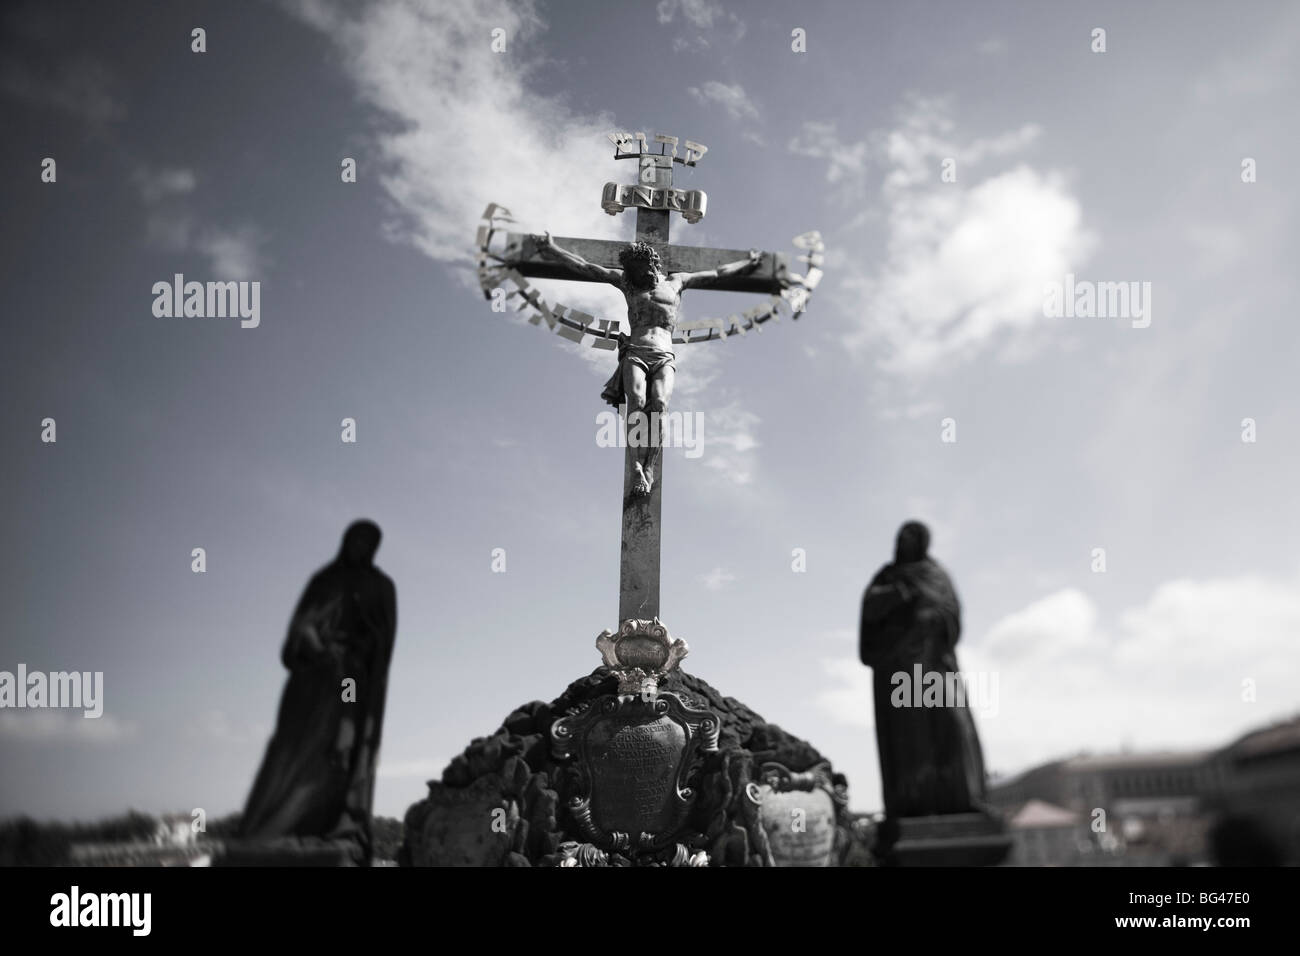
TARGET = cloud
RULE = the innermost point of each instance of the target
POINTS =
(730, 442)
(699, 13)
(80, 88)
(967, 265)
(457, 113)
(1166, 673)
(59, 726)
(717, 579)
(234, 253)
(155, 185)
(845, 162)
(732, 98)
(965, 262)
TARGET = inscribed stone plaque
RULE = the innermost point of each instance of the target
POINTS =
(800, 826)
(634, 765)
(634, 759)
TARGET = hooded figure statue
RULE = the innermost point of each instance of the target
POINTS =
(930, 758)
(318, 776)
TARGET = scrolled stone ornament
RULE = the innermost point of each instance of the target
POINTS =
(582, 854)
(640, 654)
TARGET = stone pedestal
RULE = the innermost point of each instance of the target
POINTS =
(509, 799)
(956, 839)
(288, 851)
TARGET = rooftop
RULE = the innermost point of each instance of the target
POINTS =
(1038, 814)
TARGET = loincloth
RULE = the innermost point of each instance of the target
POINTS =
(647, 357)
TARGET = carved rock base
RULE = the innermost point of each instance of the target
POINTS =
(520, 793)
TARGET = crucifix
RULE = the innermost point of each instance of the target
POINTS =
(652, 273)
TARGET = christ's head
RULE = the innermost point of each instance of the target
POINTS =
(641, 265)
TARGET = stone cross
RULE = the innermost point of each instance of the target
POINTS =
(654, 198)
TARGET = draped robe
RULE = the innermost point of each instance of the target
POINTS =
(317, 778)
(930, 758)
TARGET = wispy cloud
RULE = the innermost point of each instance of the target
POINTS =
(730, 442)
(845, 162)
(56, 726)
(460, 113)
(702, 18)
(717, 579)
(36, 70)
(234, 253)
(455, 111)
(79, 88)
(1131, 679)
(966, 261)
(1127, 679)
(699, 13)
(155, 185)
(731, 97)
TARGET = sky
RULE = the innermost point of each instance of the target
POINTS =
(958, 159)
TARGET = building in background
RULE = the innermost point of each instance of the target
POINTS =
(1259, 799)
(1044, 834)
(1161, 808)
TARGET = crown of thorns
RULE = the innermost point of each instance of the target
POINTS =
(638, 252)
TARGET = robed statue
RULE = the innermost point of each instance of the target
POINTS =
(318, 776)
(930, 759)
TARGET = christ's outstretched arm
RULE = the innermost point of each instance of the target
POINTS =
(579, 264)
(690, 280)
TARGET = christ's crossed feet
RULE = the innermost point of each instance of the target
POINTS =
(645, 479)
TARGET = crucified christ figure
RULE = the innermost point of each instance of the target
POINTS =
(644, 377)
